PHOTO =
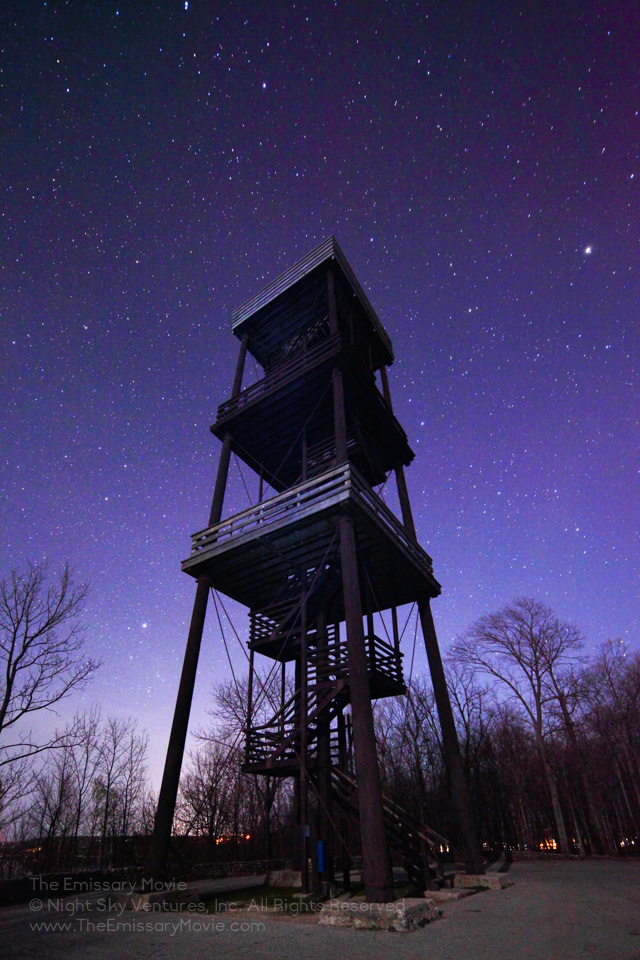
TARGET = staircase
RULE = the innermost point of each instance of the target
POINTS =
(273, 746)
(275, 630)
(414, 841)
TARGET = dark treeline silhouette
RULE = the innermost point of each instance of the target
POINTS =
(84, 804)
(550, 740)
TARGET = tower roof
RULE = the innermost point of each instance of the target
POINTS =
(277, 313)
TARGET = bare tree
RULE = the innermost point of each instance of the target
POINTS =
(530, 652)
(118, 786)
(208, 790)
(84, 759)
(611, 719)
(52, 807)
(410, 752)
(41, 652)
(215, 796)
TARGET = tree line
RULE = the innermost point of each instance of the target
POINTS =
(550, 740)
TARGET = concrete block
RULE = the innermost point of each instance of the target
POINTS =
(400, 915)
(285, 878)
(494, 881)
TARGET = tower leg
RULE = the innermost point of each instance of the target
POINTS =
(173, 764)
(376, 868)
(455, 769)
(177, 739)
(344, 825)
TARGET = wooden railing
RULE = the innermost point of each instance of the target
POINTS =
(383, 658)
(339, 484)
(346, 787)
(387, 518)
(286, 372)
(287, 506)
(277, 739)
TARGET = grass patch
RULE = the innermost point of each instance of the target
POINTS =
(257, 898)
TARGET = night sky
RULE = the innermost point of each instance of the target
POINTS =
(478, 164)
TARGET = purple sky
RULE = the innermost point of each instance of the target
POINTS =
(478, 164)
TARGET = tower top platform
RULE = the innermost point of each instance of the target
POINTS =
(275, 316)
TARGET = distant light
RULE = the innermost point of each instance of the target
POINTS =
(186, 4)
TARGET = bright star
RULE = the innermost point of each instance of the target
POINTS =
(588, 249)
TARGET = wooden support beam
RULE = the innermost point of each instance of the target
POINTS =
(157, 863)
(455, 769)
(376, 867)
(304, 734)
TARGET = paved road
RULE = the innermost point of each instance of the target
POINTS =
(554, 911)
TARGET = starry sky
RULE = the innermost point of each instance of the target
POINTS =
(478, 164)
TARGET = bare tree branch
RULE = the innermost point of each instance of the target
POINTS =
(41, 650)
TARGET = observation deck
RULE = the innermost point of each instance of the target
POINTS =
(296, 394)
(249, 555)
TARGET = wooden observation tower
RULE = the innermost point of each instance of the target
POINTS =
(317, 563)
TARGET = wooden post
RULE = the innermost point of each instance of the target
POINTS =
(304, 455)
(376, 868)
(385, 386)
(163, 824)
(283, 688)
(371, 643)
(396, 640)
(249, 704)
(333, 304)
(344, 832)
(237, 380)
(304, 794)
(455, 769)
(325, 831)
(339, 416)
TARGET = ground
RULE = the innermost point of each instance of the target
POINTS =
(564, 910)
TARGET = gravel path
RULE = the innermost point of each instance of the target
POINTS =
(554, 911)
